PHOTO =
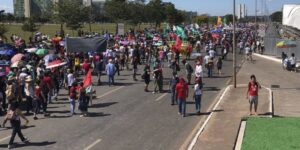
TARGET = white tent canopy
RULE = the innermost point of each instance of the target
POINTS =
(291, 16)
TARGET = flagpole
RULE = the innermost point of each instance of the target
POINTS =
(234, 47)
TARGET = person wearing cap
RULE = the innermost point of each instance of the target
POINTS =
(110, 72)
(182, 92)
(172, 87)
(29, 92)
(22, 77)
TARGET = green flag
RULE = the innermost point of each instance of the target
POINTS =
(180, 32)
(149, 35)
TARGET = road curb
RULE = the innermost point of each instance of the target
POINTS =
(201, 129)
(268, 57)
(240, 136)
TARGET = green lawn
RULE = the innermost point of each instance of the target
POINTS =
(272, 134)
(51, 29)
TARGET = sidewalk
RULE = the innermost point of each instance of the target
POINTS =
(222, 129)
(286, 97)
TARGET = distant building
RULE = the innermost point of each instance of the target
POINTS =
(19, 8)
(29, 8)
(96, 4)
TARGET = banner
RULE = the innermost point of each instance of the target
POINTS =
(79, 44)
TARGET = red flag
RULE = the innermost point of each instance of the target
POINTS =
(178, 43)
(88, 79)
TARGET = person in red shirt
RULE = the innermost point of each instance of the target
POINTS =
(86, 66)
(73, 97)
(252, 93)
(182, 92)
(49, 83)
(189, 49)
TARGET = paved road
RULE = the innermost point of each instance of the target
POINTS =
(122, 117)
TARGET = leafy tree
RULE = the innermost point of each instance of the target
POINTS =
(276, 16)
(3, 31)
(71, 12)
(228, 18)
(202, 19)
(156, 12)
(117, 10)
(137, 13)
(30, 26)
(212, 19)
(171, 13)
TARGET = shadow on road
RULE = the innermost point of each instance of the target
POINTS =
(99, 105)
(211, 89)
(95, 114)
(18, 145)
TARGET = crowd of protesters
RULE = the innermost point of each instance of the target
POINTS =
(31, 83)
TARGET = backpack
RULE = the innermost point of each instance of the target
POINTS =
(190, 68)
(11, 115)
(10, 92)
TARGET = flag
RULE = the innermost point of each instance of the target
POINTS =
(149, 34)
(219, 21)
(197, 26)
(88, 79)
(225, 20)
(178, 43)
(180, 32)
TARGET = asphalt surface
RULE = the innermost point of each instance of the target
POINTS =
(122, 117)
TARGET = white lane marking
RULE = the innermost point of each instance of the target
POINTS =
(240, 138)
(192, 144)
(93, 144)
(270, 101)
(3, 139)
(162, 96)
(114, 90)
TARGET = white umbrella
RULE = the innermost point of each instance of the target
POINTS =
(55, 63)
(31, 50)
(196, 54)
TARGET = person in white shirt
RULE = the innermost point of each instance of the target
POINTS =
(206, 58)
(198, 71)
(212, 53)
(293, 61)
(197, 95)
(247, 52)
(71, 79)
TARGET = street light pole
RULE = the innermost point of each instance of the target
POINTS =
(234, 47)
(255, 19)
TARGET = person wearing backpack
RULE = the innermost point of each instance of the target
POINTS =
(219, 65)
(73, 97)
(172, 87)
(188, 69)
(182, 92)
(14, 115)
(83, 100)
(11, 90)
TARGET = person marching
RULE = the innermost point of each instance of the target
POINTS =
(197, 95)
(182, 92)
(14, 115)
